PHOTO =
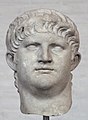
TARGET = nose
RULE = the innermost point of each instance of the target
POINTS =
(45, 56)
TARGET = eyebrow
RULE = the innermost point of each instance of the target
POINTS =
(26, 42)
(32, 43)
(59, 44)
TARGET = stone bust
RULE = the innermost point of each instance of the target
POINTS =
(42, 50)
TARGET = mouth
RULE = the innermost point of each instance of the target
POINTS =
(44, 70)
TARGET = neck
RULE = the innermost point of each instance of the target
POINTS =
(48, 105)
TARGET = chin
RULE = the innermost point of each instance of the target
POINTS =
(44, 83)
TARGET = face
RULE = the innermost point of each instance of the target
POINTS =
(43, 62)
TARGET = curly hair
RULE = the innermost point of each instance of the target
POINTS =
(41, 21)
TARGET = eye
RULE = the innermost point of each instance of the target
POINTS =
(32, 46)
(56, 48)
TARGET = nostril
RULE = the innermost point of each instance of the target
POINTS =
(39, 61)
(44, 61)
(49, 61)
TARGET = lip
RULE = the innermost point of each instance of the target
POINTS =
(44, 70)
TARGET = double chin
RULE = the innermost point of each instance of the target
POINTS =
(45, 102)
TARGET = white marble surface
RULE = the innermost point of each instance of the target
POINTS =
(77, 10)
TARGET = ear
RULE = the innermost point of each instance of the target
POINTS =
(75, 61)
(10, 61)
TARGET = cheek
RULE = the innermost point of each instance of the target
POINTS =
(24, 70)
(26, 64)
(63, 61)
(26, 58)
(62, 65)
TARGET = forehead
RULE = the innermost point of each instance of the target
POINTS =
(45, 38)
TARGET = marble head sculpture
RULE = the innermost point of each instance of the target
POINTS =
(42, 50)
